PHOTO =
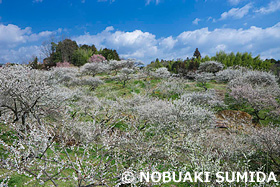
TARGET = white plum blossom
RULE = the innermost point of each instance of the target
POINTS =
(210, 67)
(161, 73)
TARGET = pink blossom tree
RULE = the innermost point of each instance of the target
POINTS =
(97, 59)
(63, 64)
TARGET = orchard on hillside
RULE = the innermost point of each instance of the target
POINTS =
(85, 125)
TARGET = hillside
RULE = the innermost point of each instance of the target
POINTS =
(86, 126)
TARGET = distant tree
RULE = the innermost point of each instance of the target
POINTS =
(109, 54)
(94, 68)
(197, 53)
(193, 65)
(67, 47)
(87, 47)
(81, 56)
(96, 59)
(162, 73)
(210, 67)
(34, 64)
(46, 48)
(63, 64)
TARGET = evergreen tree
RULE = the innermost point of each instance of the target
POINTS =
(197, 53)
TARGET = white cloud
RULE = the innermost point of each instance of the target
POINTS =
(12, 36)
(234, 2)
(21, 55)
(37, 1)
(17, 44)
(0, 1)
(236, 13)
(196, 21)
(273, 6)
(146, 47)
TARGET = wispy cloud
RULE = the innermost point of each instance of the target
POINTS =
(273, 6)
(37, 1)
(149, 1)
(236, 13)
(111, 1)
(234, 2)
(196, 21)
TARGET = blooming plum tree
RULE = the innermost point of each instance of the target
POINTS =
(96, 58)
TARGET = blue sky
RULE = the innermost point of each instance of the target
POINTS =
(142, 29)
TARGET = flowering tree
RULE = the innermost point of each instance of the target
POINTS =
(203, 78)
(96, 59)
(259, 90)
(63, 64)
(210, 67)
(161, 73)
(229, 74)
(267, 141)
(91, 140)
(117, 65)
(94, 68)
(93, 82)
(63, 75)
(208, 98)
(125, 75)
(26, 92)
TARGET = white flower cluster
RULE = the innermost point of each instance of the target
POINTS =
(210, 67)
